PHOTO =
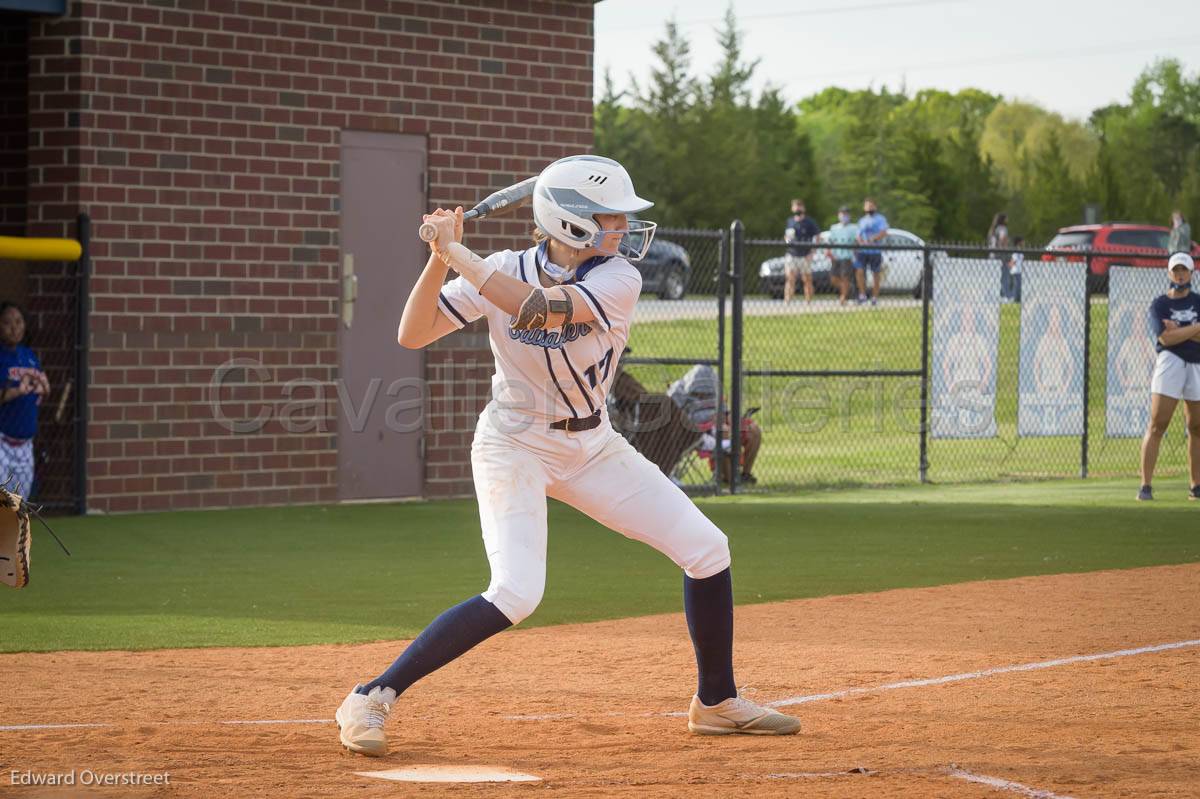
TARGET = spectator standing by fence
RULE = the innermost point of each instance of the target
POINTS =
(997, 242)
(1181, 234)
(1175, 319)
(24, 386)
(872, 229)
(799, 234)
(1014, 270)
(841, 271)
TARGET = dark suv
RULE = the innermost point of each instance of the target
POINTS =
(1121, 244)
(665, 269)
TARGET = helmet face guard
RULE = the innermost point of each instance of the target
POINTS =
(634, 240)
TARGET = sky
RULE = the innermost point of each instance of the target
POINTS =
(1070, 56)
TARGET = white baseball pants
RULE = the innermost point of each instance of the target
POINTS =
(17, 462)
(596, 472)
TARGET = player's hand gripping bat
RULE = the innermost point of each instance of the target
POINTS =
(498, 203)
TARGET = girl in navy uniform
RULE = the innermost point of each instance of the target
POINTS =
(1175, 320)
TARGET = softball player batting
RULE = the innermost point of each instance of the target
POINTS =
(558, 316)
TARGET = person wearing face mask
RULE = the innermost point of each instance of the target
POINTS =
(799, 234)
(872, 229)
(1181, 234)
(1175, 320)
(841, 272)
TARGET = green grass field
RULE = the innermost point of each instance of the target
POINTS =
(281, 576)
(864, 431)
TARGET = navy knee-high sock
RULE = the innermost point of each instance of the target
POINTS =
(708, 604)
(447, 637)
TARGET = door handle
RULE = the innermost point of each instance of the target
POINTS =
(349, 289)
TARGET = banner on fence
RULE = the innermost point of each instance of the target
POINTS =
(1131, 352)
(1050, 379)
(966, 339)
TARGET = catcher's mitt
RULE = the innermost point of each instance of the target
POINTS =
(15, 538)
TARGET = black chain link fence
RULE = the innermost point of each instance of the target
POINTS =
(52, 296)
(833, 367)
(958, 369)
(670, 380)
(965, 365)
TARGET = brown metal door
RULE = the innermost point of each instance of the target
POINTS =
(379, 390)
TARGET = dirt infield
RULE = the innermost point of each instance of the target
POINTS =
(585, 706)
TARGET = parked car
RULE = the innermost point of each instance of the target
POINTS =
(901, 268)
(666, 269)
(1122, 244)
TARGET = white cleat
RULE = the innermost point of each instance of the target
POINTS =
(739, 716)
(360, 720)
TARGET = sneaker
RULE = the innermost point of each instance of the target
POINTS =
(1145, 494)
(1194, 493)
(360, 720)
(862, 299)
(747, 478)
(738, 715)
(874, 301)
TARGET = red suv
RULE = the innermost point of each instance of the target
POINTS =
(1121, 244)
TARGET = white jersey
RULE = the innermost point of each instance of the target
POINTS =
(565, 372)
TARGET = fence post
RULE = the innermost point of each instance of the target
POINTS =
(1087, 358)
(737, 233)
(926, 293)
(723, 272)
(84, 232)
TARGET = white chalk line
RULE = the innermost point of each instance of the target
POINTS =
(1003, 785)
(944, 680)
(976, 675)
(280, 721)
(795, 700)
(16, 727)
(172, 722)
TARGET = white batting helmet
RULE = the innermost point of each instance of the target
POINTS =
(571, 191)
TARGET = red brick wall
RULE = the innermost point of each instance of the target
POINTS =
(204, 145)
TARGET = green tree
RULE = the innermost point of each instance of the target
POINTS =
(939, 163)
(1150, 161)
(1015, 133)
(730, 82)
(937, 136)
(659, 152)
(1054, 197)
(748, 147)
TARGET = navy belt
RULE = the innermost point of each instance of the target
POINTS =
(577, 424)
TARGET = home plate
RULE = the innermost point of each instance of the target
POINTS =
(451, 774)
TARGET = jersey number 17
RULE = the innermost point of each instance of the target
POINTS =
(599, 366)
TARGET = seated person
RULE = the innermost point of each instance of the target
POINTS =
(652, 423)
(696, 394)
